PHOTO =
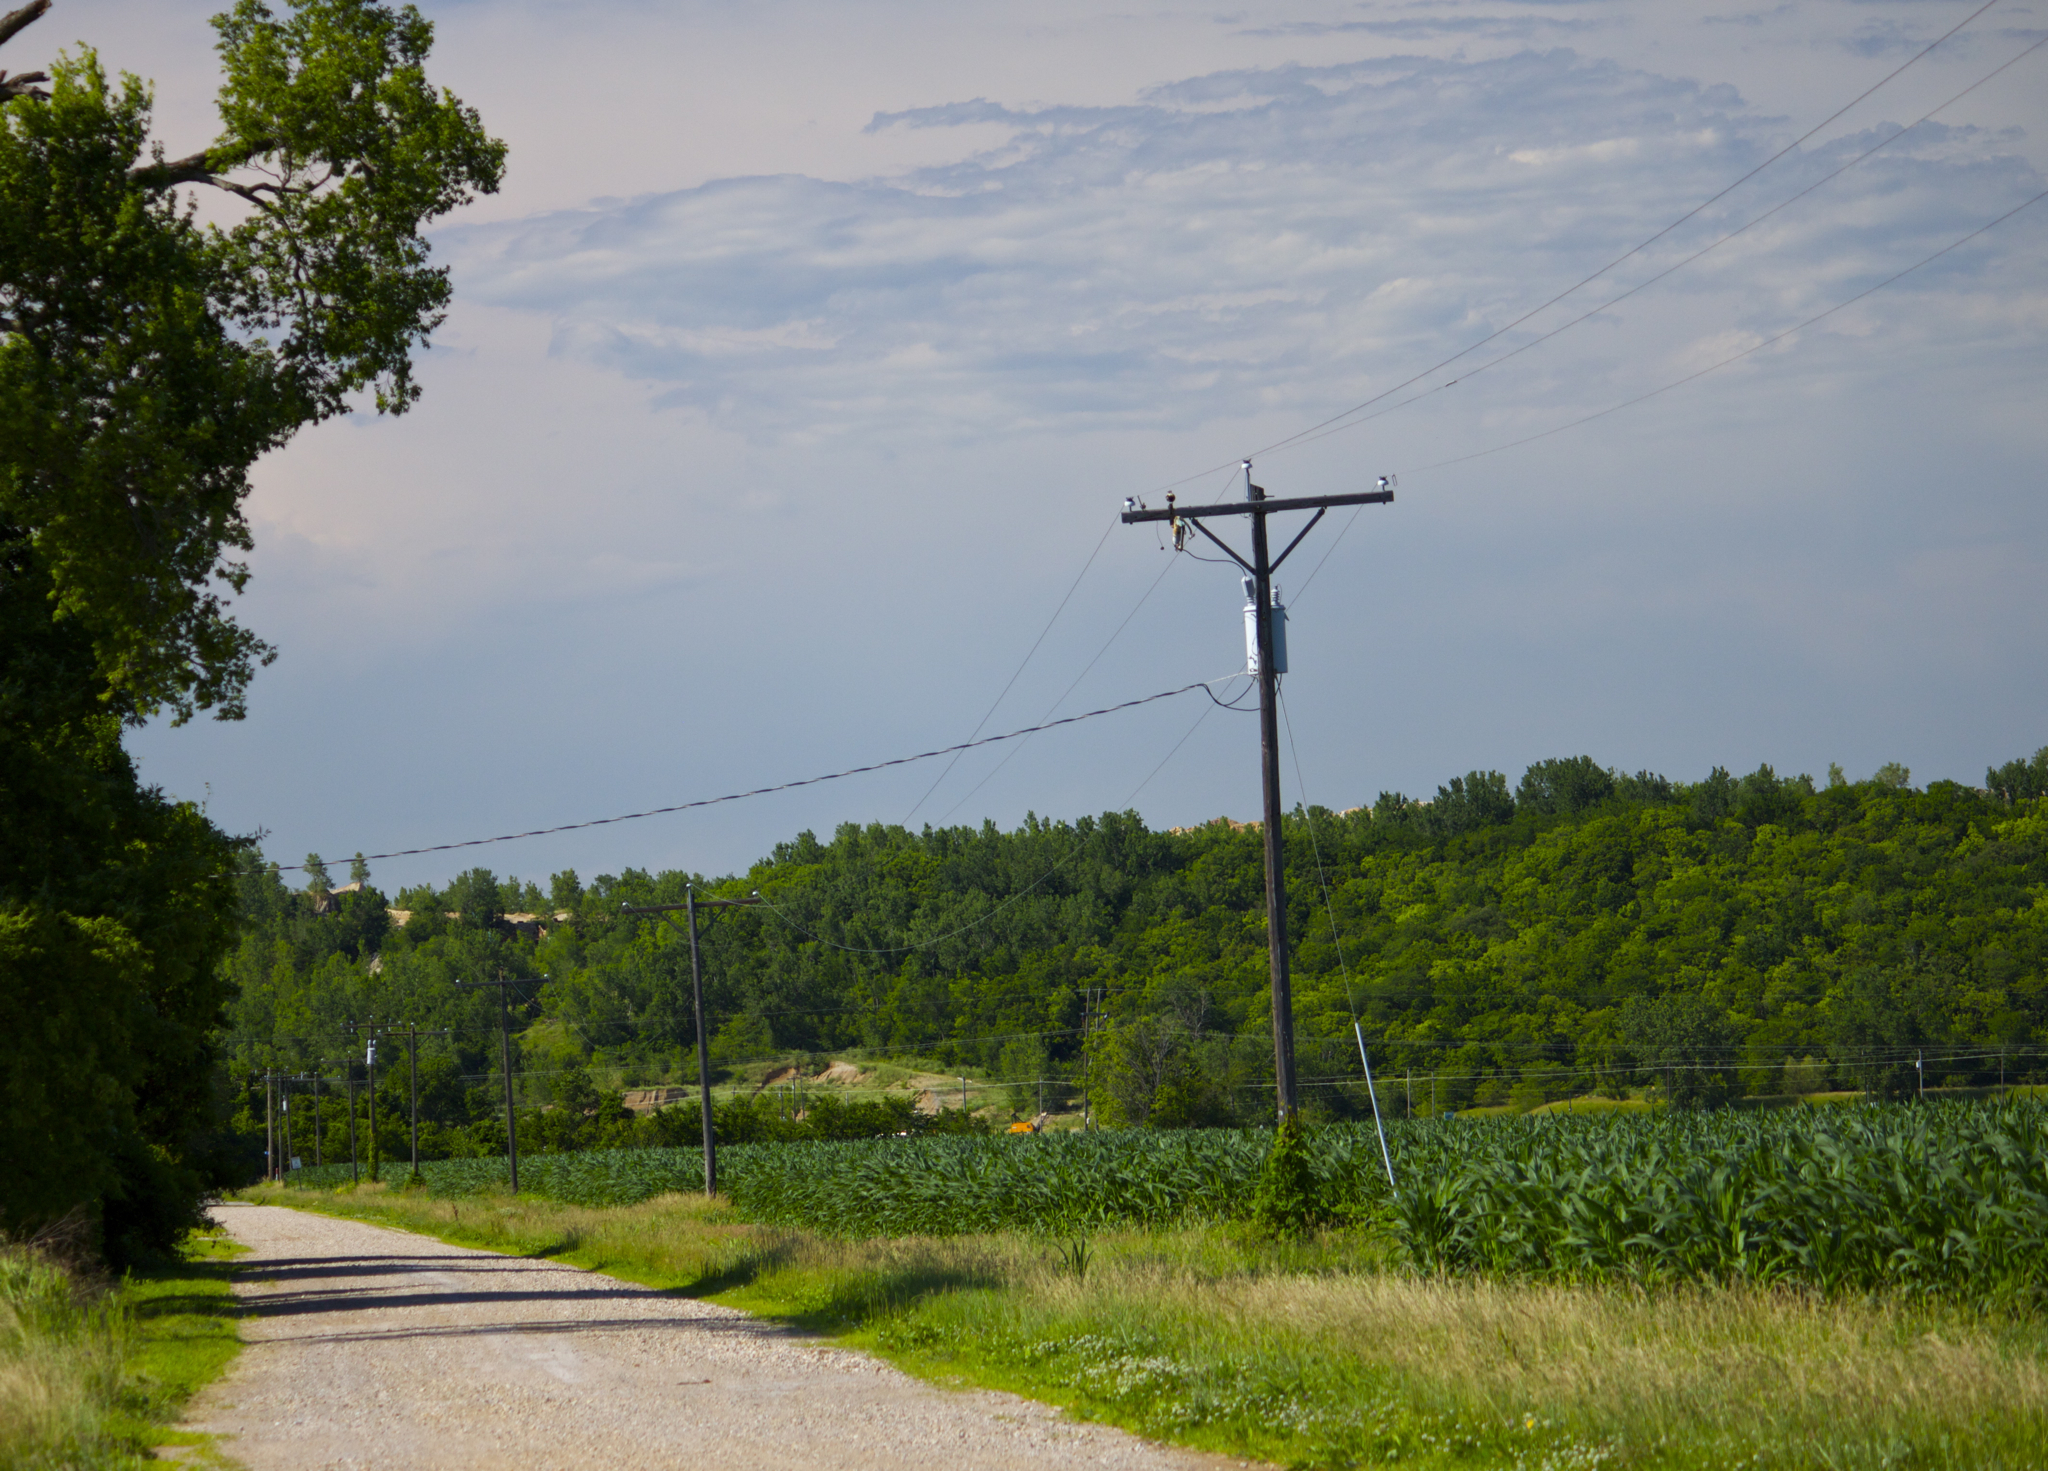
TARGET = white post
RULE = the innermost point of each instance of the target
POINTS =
(1373, 1094)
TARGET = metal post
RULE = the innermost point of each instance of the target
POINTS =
(269, 1133)
(703, 1049)
(1373, 1094)
(316, 1117)
(1261, 568)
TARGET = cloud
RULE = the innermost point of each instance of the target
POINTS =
(1281, 235)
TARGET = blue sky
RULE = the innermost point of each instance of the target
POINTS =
(810, 350)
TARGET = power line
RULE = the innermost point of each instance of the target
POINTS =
(1335, 419)
(1015, 675)
(1746, 352)
(1114, 636)
(1309, 436)
(808, 781)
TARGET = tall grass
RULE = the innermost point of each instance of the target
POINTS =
(1950, 1198)
(62, 1351)
(1308, 1352)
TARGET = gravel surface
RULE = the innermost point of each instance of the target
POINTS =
(377, 1348)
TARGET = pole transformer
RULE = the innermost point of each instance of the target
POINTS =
(1259, 575)
(690, 905)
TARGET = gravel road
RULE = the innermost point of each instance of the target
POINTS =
(377, 1348)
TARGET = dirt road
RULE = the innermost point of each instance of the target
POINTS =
(375, 1348)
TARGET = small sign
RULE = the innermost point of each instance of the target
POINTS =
(295, 1161)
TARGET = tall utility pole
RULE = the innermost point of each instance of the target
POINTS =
(269, 1132)
(316, 1115)
(505, 1058)
(690, 905)
(1259, 570)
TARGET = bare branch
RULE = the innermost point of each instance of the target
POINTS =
(191, 169)
(17, 20)
(22, 84)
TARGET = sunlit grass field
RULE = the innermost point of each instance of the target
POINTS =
(1331, 1350)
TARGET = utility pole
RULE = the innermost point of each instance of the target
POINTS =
(316, 1116)
(505, 1059)
(690, 905)
(269, 1132)
(412, 1036)
(1259, 582)
(370, 1060)
(355, 1173)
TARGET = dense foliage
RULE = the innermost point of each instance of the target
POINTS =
(146, 362)
(1581, 933)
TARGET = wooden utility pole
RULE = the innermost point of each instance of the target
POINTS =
(505, 1057)
(412, 1035)
(690, 905)
(355, 1171)
(1259, 573)
(370, 1062)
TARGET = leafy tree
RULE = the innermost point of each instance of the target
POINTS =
(1567, 785)
(147, 361)
(1476, 799)
(1688, 1042)
(2020, 780)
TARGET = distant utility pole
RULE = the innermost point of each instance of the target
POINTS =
(1259, 583)
(316, 1116)
(412, 1035)
(690, 905)
(370, 1061)
(269, 1131)
(505, 1054)
(355, 1172)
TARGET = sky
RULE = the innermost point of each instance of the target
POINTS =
(797, 374)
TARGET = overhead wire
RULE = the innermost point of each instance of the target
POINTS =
(1746, 352)
(1072, 853)
(1635, 250)
(782, 786)
(1143, 598)
(1323, 432)
(1017, 673)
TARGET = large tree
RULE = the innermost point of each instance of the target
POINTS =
(148, 358)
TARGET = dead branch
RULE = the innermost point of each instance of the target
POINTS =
(15, 21)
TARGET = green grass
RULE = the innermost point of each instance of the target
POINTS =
(1328, 1351)
(184, 1315)
(93, 1373)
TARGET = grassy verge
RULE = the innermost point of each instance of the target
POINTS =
(1320, 1354)
(93, 1373)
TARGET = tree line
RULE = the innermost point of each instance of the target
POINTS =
(1580, 932)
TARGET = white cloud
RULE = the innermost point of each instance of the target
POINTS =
(1299, 234)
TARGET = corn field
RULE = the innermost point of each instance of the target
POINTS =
(1949, 1197)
